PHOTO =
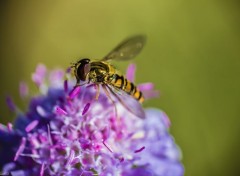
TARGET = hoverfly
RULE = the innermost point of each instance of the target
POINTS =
(102, 73)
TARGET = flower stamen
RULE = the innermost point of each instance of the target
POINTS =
(31, 126)
(107, 146)
(10, 103)
(139, 150)
(42, 169)
(85, 109)
(49, 135)
(74, 92)
(60, 111)
(9, 126)
(20, 149)
(65, 85)
(41, 111)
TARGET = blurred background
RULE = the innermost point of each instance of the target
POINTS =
(192, 56)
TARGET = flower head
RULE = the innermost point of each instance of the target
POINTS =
(65, 131)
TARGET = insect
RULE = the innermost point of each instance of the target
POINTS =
(103, 73)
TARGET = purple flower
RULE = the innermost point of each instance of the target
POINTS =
(65, 131)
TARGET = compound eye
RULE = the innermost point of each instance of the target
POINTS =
(83, 69)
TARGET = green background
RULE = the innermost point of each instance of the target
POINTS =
(192, 56)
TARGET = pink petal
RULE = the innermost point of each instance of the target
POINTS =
(150, 94)
(148, 90)
(145, 86)
(130, 75)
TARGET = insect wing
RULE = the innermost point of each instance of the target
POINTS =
(127, 49)
(128, 102)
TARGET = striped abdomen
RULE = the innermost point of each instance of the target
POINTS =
(122, 83)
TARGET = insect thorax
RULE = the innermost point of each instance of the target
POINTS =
(99, 72)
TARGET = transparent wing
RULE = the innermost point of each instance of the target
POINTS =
(127, 101)
(127, 49)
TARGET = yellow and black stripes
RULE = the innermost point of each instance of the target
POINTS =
(122, 83)
(131, 89)
(118, 81)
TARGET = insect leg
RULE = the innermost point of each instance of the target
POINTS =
(98, 91)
